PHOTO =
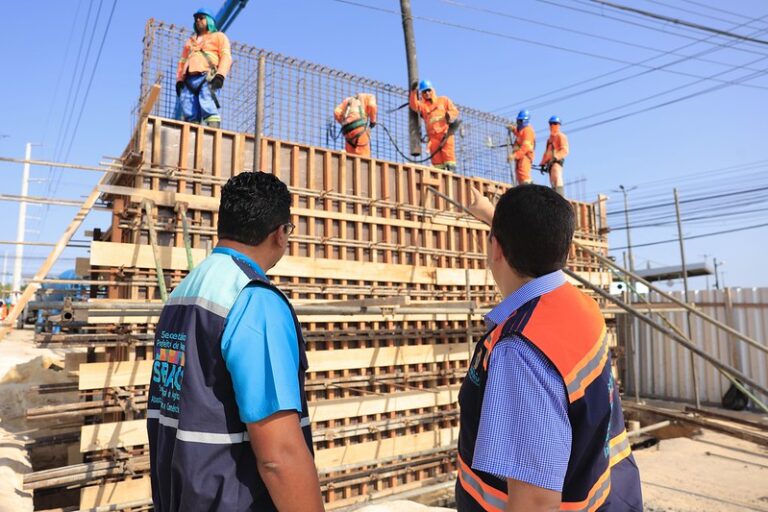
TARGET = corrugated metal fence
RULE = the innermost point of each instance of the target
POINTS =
(665, 367)
(300, 97)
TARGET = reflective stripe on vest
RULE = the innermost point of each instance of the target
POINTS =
(493, 500)
(588, 369)
(205, 437)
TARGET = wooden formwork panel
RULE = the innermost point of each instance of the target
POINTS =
(382, 386)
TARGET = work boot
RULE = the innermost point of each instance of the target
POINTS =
(560, 190)
(214, 124)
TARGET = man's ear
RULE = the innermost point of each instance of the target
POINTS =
(495, 250)
(280, 237)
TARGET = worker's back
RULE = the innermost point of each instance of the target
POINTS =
(200, 455)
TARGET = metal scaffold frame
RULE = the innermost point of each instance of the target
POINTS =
(299, 98)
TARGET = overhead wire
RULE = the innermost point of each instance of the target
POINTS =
(678, 21)
(592, 89)
(627, 21)
(689, 11)
(86, 95)
(694, 237)
(578, 32)
(502, 35)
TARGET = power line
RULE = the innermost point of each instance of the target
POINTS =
(689, 219)
(666, 103)
(690, 11)
(668, 91)
(693, 237)
(626, 21)
(713, 8)
(502, 35)
(678, 21)
(692, 200)
(578, 32)
(624, 68)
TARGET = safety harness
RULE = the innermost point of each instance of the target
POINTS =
(357, 119)
(212, 71)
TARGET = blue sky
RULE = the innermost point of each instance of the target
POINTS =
(495, 56)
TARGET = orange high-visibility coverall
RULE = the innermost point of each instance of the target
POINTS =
(358, 140)
(214, 45)
(525, 142)
(556, 151)
(437, 114)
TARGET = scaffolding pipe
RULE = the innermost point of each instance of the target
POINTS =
(730, 330)
(668, 332)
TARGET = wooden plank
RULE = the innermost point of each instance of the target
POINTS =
(115, 492)
(138, 373)
(107, 436)
(391, 447)
(132, 490)
(110, 254)
(328, 318)
(163, 198)
(114, 374)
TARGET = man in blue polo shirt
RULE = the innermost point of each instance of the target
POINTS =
(227, 416)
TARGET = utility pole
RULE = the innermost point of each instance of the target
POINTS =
(414, 129)
(717, 280)
(689, 327)
(5, 273)
(21, 225)
(626, 191)
(706, 276)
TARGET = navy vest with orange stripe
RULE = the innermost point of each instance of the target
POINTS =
(568, 328)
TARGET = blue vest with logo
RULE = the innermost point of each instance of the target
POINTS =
(568, 328)
(201, 458)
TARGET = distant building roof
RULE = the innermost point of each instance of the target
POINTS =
(675, 272)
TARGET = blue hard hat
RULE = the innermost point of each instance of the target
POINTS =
(555, 120)
(205, 11)
(524, 116)
(425, 85)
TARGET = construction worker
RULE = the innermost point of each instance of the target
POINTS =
(356, 115)
(227, 413)
(541, 422)
(554, 155)
(439, 114)
(523, 147)
(204, 64)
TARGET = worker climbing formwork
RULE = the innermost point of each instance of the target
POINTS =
(523, 147)
(439, 113)
(553, 159)
(357, 115)
(204, 64)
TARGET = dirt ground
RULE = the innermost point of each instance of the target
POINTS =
(709, 472)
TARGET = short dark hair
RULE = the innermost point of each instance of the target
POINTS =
(534, 226)
(253, 204)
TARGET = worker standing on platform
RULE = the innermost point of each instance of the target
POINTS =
(554, 156)
(440, 117)
(541, 422)
(356, 115)
(523, 147)
(227, 414)
(204, 64)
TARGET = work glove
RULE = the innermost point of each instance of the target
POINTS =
(217, 82)
(373, 124)
(179, 87)
(414, 85)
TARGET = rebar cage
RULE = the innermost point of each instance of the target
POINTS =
(300, 97)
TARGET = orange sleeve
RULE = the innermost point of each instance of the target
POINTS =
(338, 112)
(413, 102)
(182, 62)
(450, 108)
(371, 108)
(225, 55)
